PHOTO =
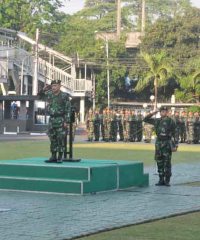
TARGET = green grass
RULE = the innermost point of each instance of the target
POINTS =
(115, 151)
(185, 227)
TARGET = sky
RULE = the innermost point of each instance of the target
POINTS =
(72, 6)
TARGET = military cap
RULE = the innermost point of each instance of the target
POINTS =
(163, 108)
(56, 81)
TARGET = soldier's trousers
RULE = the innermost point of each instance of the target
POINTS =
(57, 139)
(163, 156)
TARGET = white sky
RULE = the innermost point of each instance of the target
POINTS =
(72, 6)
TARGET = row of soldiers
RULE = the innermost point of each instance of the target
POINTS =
(127, 125)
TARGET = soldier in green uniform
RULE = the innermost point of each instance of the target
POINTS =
(165, 143)
(113, 127)
(90, 125)
(96, 125)
(132, 126)
(183, 120)
(59, 108)
(148, 130)
(196, 127)
(176, 118)
(126, 125)
(190, 128)
(139, 131)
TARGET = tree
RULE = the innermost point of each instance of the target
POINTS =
(27, 15)
(190, 82)
(158, 72)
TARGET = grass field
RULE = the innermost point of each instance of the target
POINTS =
(115, 151)
(178, 228)
(185, 227)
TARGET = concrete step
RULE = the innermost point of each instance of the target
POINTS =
(87, 176)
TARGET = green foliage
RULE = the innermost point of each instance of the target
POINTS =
(194, 109)
(27, 15)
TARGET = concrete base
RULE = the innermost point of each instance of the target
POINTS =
(87, 176)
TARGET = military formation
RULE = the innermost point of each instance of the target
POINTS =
(111, 125)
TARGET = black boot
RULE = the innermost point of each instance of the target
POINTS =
(167, 181)
(52, 159)
(60, 155)
(161, 181)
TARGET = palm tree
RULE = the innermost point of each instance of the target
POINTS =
(159, 70)
(190, 87)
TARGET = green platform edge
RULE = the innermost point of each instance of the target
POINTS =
(87, 176)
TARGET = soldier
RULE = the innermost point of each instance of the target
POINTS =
(177, 121)
(133, 127)
(90, 125)
(113, 127)
(59, 108)
(125, 122)
(190, 128)
(183, 120)
(148, 130)
(96, 126)
(165, 144)
(106, 124)
(120, 125)
(196, 127)
(139, 126)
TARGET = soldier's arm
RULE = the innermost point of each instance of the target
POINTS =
(42, 94)
(149, 119)
(173, 130)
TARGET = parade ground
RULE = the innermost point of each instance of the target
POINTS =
(39, 216)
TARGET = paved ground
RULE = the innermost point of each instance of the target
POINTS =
(39, 216)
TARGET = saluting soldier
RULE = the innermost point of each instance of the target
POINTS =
(59, 108)
(165, 143)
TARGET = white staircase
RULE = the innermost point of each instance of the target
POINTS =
(58, 65)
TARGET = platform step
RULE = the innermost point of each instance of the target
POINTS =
(87, 176)
(41, 185)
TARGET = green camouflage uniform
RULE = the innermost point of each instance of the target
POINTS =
(96, 126)
(106, 126)
(90, 126)
(178, 123)
(133, 127)
(196, 128)
(59, 109)
(126, 125)
(190, 129)
(113, 126)
(139, 127)
(165, 131)
(183, 120)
